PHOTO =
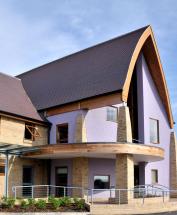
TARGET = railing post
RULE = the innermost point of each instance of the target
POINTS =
(87, 195)
(163, 196)
(143, 198)
(47, 191)
(14, 191)
(119, 196)
(64, 192)
(32, 192)
(83, 193)
(92, 196)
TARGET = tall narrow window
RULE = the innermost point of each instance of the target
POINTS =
(154, 131)
(112, 114)
(62, 133)
(154, 176)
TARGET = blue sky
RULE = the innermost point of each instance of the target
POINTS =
(34, 32)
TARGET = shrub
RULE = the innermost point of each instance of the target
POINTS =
(31, 202)
(8, 202)
(55, 203)
(50, 198)
(41, 204)
(80, 203)
(65, 201)
(24, 204)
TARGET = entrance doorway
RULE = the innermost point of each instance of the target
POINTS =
(136, 175)
(61, 179)
(27, 181)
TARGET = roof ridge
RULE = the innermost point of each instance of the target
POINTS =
(83, 50)
(10, 76)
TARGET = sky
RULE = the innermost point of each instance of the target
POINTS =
(34, 32)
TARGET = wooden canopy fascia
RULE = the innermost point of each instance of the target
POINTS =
(148, 46)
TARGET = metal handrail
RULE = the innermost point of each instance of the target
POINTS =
(145, 191)
(14, 189)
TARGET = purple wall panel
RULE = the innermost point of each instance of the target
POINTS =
(151, 106)
(98, 128)
(61, 163)
(69, 118)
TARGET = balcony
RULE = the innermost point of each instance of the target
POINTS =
(141, 152)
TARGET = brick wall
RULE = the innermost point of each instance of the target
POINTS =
(79, 175)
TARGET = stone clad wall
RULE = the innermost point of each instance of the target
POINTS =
(173, 164)
(16, 172)
(80, 175)
(12, 132)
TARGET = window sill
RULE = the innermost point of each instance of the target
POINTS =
(27, 141)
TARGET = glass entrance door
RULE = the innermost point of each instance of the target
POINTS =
(27, 181)
(61, 179)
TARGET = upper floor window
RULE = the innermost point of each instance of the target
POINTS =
(112, 114)
(62, 133)
(30, 132)
(154, 176)
(154, 131)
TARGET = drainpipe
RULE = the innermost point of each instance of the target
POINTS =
(6, 174)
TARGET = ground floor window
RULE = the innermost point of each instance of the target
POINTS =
(154, 176)
(101, 182)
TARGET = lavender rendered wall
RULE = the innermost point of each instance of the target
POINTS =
(150, 106)
(97, 166)
(69, 118)
(98, 129)
(61, 163)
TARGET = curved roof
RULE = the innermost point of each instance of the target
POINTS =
(91, 72)
(101, 69)
(14, 100)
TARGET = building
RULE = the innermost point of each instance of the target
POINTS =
(99, 118)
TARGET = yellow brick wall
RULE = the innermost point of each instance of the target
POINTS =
(80, 175)
(16, 171)
(173, 164)
(12, 132)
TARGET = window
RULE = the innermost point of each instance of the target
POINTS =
(154, 176)
(112, 114)
(27, 180)
(2, 170)
(31, 132)
(62, 133)
(102, 182)
(154, 131)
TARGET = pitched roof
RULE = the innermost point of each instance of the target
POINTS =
(94, 71)
(14, 100)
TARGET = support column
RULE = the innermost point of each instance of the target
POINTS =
(124, 171)
(124, 177)
(80, 176)
(173, 164)
(6, 175)
(80, 134)
(124, 133)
